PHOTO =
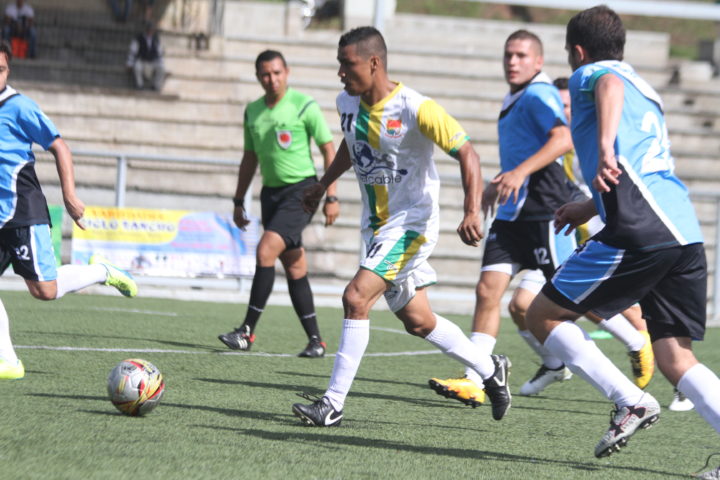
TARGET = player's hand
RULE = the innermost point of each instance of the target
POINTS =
(471, 230)
(76, 209)
(607, 173)
(572, 215)
(508, 183)
(312, 196)
(489, 198)
(331, 212)
(240, 218)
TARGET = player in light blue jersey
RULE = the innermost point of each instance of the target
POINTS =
(650, 250)
(24, 219)
(533, 135)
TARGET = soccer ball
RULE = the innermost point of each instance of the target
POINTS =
(135, 386)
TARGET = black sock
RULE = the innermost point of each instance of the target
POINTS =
(259, 293)
(302, 300)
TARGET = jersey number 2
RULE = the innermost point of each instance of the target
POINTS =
(657, 158)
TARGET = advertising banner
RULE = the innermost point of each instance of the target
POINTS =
(167, 242)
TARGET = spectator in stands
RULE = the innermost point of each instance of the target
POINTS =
(145, 59)
(19, 24)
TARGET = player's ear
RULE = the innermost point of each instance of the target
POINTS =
(375, 63)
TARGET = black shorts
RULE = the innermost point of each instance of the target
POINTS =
(282, 211)
(514, 246)
(29, 250)
(669, 284)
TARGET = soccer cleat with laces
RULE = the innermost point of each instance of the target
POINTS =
(116, 277)
(462, 389)
(238, 339)
(10, 371)
(643, 362)
(320, 413)
(624, 422)
(497, 387)
(543, 378)
(315, 348)
(680, 403)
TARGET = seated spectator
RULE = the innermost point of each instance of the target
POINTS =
(145, 58)
(18, 24)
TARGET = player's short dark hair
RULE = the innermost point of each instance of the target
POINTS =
(561, 83)
(7, 50)
(598, 30)
(369, 42)
(267, 56)
(526, 35)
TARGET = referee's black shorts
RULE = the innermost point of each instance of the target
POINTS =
(282, 211)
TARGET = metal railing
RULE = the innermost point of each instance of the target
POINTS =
(122, 160)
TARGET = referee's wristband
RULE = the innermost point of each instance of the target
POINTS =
(331, 199)
(238, 202)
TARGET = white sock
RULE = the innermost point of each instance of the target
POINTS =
(624, 331)
(452, 341)
(702, 386)
(353, 341)
(580, 354)
(548, 359)
(485, 342)
(7, 352)
(71, 278)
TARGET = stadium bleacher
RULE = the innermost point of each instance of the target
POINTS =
(80, 81)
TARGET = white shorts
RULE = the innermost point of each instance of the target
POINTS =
(399, 257)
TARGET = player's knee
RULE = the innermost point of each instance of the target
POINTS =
(355, 303)
(517, 312)
(43, 294)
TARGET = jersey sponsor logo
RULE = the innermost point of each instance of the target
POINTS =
(284, 138)
(393, 128)
(375, 168)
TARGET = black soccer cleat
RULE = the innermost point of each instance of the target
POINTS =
(238, 339)
(320, 413)
(315, 348)
(497, 387)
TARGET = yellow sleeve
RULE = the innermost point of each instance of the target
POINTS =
(435, 123)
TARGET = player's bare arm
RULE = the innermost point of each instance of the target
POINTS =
(609, 98)
(509, 183)
(341, 163)
(573, 215)
(64, 164)
(248, 165)
(331, 210)
(489, 199)
(471, 227)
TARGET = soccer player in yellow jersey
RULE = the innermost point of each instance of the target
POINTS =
(389, 131)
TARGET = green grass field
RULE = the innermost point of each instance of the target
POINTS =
(227, 415)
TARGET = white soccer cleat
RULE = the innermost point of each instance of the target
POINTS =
(680, 403)
(624, 422)
(543, 378)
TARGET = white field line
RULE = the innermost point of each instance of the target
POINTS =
(191, 352)
(134, 310)
(194, 352)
